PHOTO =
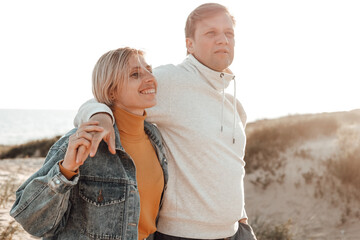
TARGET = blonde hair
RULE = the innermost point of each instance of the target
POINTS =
(201, 12)
(111, 72)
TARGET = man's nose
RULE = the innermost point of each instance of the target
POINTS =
(222, 39)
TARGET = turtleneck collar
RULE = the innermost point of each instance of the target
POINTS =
(218, 80)
(131, 126)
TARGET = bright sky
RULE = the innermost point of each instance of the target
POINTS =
(291, 56)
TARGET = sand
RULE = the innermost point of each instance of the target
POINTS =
(12, 173)
(311, 214)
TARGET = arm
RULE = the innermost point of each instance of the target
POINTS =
(95, 111)
(90, 108)
(42, 203)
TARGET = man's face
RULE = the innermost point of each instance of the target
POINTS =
(213, 42)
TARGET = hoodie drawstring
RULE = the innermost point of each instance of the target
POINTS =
(234, 106)
(223, 100)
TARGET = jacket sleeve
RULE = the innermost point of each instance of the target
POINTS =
(42, 203)
(90, 108)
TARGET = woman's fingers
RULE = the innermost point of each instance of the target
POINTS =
(82, 154)
(70, 161)
(79, 144)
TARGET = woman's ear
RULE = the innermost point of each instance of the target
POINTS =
(112, 95)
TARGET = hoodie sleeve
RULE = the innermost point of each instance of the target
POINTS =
(88, 109)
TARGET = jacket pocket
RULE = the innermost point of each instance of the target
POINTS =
(101, 207)
(102, 192)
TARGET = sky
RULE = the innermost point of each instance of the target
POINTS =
(291, 57)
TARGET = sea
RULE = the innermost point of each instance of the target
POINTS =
(18, 126)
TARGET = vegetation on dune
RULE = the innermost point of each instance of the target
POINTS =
(270, 231)
(37, 148)
(346, 165)
(338, 181)
(266, 139)
(8, 232)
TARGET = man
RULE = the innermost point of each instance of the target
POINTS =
(204, 131)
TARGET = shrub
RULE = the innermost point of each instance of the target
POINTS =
(346, 165)
(269, 231)
(7, 190)
(37, 148)
(8, 232)
(308, 176)
(266, 139)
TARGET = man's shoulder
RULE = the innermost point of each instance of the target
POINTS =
(169, 73)
(165, 69)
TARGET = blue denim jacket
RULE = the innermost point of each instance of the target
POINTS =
(101, 202)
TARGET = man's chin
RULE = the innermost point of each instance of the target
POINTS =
(222, 66)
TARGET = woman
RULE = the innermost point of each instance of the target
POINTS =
(107, 196)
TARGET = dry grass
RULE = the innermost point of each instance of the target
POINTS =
(7, 190)
(273, 144)
(7, 193)
(267, 139)
(8, 232)
(4, 148)
(342, 172)
(37, 148)
(346, 166)
(270, 231)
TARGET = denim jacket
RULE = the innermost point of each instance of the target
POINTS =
(101, 202)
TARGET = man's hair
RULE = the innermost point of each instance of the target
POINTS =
(201, 12)
(111, 72)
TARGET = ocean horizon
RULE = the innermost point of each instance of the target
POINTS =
(18, 126)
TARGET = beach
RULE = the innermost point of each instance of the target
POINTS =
(296, 183)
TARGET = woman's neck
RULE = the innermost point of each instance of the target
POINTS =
(130, 125)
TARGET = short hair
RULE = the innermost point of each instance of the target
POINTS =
(111, 72)
(201, 12)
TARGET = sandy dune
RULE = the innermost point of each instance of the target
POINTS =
(12, 173)
(299, 191)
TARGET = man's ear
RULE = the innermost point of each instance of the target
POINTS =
(190, 45)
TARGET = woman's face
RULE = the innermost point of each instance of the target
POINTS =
(138, 92)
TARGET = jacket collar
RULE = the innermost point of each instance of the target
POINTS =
(211, 76)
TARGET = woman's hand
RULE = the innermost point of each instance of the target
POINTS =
(82, 137)
(108, 135)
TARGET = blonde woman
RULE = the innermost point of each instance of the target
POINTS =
(108, 196)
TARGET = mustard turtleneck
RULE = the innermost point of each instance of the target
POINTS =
(149, 174)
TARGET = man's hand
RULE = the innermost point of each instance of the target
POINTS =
(80, 139)
(243, 220)
(108, 135)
